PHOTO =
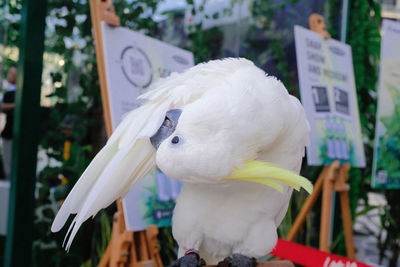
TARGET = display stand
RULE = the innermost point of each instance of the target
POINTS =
(333, 178)
(126, 248)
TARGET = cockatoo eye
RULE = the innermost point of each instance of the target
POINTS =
(175, 139)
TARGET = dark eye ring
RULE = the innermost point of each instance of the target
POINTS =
(175, 140)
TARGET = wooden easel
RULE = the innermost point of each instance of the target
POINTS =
(126, 248)
(332, 178)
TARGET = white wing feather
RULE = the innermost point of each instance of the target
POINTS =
(114, 181)
(82, 188)
(127, 157)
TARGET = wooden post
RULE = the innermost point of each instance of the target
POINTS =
(121, 240)
(154, 245)
(307, 206)
(327, 191)
(102, 10)
(342, 187)
(105, 257)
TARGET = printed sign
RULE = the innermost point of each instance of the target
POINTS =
(328, 95)
(386, 167)
(133, 61)
(311, 257)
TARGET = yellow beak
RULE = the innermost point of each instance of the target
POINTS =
(267, 174)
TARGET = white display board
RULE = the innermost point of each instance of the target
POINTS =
(328, 94)
(386, 167)
(133, 61)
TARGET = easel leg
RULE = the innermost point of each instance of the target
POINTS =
(144, 254)
(346, 214)
(105, 259)
(347, 225)
(326, 215)
(153, 244)
(327, 173)
(121, 241)
(307, 206)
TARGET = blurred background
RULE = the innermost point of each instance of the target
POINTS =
(72, 127)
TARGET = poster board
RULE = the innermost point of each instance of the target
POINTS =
(133, 61)
(386, 165)
(328, 94)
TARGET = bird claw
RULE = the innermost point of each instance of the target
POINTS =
(189, 260)
(238, 260)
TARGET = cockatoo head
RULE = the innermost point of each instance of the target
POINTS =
(242, 113)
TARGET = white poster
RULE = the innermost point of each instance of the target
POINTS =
(133, 61)
(328, 94)
(386, 167)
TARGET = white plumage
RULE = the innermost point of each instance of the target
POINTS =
(232, 113)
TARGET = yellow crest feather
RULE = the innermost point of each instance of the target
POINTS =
(267, 174)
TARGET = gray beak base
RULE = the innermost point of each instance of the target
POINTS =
(167, 127)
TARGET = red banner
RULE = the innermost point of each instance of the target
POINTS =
(311, 257)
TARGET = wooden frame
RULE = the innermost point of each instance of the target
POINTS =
(103, 10)
(137, 249)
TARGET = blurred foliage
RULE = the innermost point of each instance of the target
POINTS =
(389, 143)
(390, 219)
(263, 12)
(388, 155)
(364, 38)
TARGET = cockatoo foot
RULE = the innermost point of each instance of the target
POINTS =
(191, 259)
(238, 260)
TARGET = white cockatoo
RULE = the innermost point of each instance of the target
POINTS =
(232, 134)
